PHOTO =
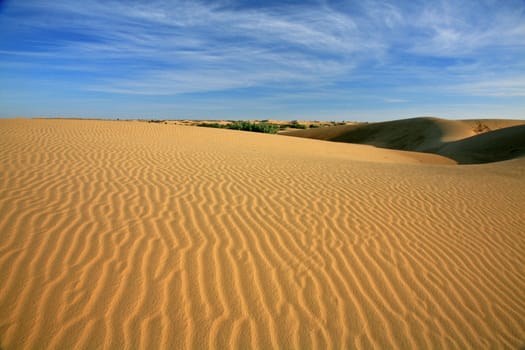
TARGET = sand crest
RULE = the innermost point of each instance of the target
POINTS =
(141, 235)
(465, 141)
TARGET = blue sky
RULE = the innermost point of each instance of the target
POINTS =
(329, 60)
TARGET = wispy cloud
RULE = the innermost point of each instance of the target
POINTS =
(395, 100)
(167, 48)
(464, 28)
(508, 87)
(212, 47)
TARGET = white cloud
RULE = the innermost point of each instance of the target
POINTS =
(172, 47)
(505, 87)
(394, 100)
(205, 47)
(465, 28)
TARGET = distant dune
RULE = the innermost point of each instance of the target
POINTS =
(134, 235)
(466, 141)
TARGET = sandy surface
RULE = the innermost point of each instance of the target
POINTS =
(465, 141)
(126, 235)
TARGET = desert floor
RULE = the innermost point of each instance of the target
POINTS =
(126, 235)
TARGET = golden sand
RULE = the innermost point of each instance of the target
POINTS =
(465, 141)
(127, 235)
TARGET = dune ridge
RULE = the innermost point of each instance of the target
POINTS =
(465, 141)
(136, 235)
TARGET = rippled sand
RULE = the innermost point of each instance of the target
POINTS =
(137, 235)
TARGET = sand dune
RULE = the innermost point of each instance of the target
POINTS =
(126, 235)
(466, 141)
(502, 144)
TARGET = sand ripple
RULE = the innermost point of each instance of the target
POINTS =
(136, 235)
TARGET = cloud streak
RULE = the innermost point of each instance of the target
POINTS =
(188, 47)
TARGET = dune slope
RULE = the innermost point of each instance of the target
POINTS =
(493, 146)
(137, 235)
(434, 135)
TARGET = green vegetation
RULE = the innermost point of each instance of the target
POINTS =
(334, 123)
(255, 127)
(211, 125)
(245, 126)
(294, 124)
(264, 126)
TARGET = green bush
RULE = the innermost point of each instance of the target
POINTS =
(293, 125)
(298, 126)
(255, 127)
(211, 125)
(245, 126)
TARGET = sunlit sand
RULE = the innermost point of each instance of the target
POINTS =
(126, 235)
